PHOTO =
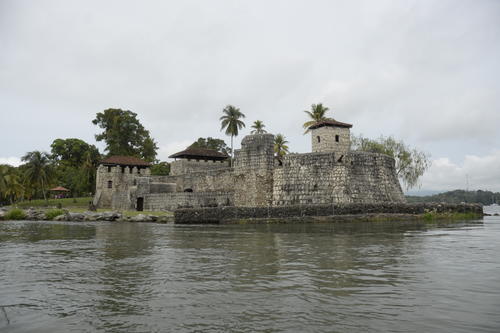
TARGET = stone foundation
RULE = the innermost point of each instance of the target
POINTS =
(323, 213)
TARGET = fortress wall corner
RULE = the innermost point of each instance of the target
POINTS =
(372, 178)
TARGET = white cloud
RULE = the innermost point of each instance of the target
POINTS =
(424, 71)
(480, 172)
(14, 161)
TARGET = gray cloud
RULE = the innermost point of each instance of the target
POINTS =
(424, 71)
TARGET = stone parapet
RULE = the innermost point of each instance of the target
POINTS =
(172, 201)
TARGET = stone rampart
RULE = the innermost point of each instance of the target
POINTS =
(211, 180)
(314, 178)
(372, 178)
(323, 178)
(172, 201)
(253, 171)
(184, 166)
(301, 213)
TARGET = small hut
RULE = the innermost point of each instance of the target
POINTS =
(59, 192)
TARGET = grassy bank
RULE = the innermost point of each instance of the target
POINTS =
(82, 202)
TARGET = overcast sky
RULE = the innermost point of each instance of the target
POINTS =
(423, 71)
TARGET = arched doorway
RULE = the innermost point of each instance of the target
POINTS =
(140, 204)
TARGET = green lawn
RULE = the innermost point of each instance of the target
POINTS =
(81, 205)
(65, 203)
(125, 213)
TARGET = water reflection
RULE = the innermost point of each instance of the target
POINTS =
(268, 278)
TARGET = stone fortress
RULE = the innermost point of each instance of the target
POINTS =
(331, 174)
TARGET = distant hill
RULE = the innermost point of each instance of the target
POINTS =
(457, 196)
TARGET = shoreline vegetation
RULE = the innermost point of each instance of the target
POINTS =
(69, 210)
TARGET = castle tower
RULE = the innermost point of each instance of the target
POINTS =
(114, 176)
(331, 136)
(253, 170)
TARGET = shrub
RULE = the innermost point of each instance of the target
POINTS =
(50, 214)
(15, 214)
(429, 216)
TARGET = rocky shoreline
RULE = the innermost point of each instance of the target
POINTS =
(328, 213)
(39, 214)
(255, 215)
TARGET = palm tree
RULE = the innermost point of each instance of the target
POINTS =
(258, 127)
(316, 115)
(231, 122)
(10, 185)
(39, 171)
(4, 174)
(280, 147)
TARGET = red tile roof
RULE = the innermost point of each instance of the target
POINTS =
(124, 160)
(331, 123)
(200, 153)
(59, 188)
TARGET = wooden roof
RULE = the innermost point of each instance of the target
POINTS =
(59, 188)
(124, 160)
(331, 123)
(200, 153)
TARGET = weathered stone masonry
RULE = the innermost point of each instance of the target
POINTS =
(331, 174)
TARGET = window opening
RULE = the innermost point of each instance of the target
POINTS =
(319, 139)
(337, 137)
(110, 184)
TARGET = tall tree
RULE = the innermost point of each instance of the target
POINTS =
(411, 163)
(212, 143)
(231, 122)
(73, 152)
(39, 170)
(125, 135)
(160, 169)
(258, 127)
(317, 114)
(75, 164)
(280, 145)
(10, 184)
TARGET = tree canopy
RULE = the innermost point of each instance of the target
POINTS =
(258, 127)
(124, 134)
(11, 187)
(232, 123)
(38, 170)
(74, 152)
(317, 114)
(411, 163)
(280, 145)
(160, 169)
(212, 143)
(75, 165)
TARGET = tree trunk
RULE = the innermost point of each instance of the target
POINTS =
(43, 192)
(232, 152)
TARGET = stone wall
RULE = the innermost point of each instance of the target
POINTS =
(121, 179)
(372, 178)
(184, 166)
(172, 201)
(327, 140)
(212, 180)
(253, 171)
(314, 178)
(303, 213)
(322, 178)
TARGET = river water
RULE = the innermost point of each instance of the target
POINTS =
(345, 277)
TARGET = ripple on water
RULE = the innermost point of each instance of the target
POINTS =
(59, 277)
